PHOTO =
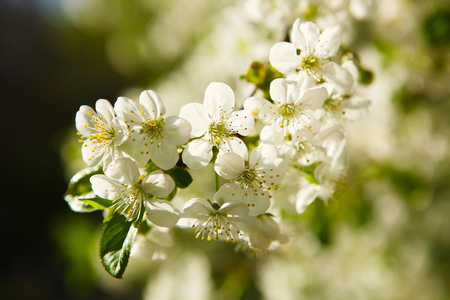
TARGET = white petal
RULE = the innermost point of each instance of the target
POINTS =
(233, 145)
(297, 38)
(310, 32)
(129, 110)
(121, 131)
(229, 165)
(307, 120)
(158, 184)
(153, 106)
(306, 196)
(105, 187)
(219, 99)
(234, 209)
(91, 152)
(124, 170)
(329, 42)
(256, 199)
(83, 120)
(338, 75)
(313, 98)
(260, 108)
(197, 207)
(197, 154)
(284, 91)
(163, 153)
(283, 57)
(241, 122)
(105, 109)
(272, 133)
(177, 130)
(137, 148)
(161, 213)
(195, 114)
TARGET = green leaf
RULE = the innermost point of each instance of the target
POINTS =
(115, 244)
(96, 202)
(181, 177)
(80, 187)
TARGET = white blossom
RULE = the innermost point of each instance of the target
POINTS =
(130, 191)
(310, 52)
(216, 222)
(215, 123)
(151, 135)
(250, 184)
(101, 133)
(291, 110)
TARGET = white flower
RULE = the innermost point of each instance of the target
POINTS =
(152, 136)
(214, 221)
(215, 122)
(129, 191)
(101, 133)
(291, 111)
(264, 234)
(310, 52)
(250, 184)
(327, 176)
(345, 104)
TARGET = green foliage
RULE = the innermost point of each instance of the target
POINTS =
(436, 28)
(97, 202)
(79, 191)
(181, 177)
(261, 76)
(115, 244)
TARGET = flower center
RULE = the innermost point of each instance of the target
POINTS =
(152, 128)
(218, 131)
(286, 110)
(310, 62)
(249, 176)
(131, 202)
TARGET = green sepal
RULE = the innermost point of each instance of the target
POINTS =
(96, 202)
(80, 188)
(180, 176)
(115, 244)
(261, 75)
(308, 171)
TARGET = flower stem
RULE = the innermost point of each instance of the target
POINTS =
(217, 181)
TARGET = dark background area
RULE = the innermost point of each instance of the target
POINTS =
(46, 72)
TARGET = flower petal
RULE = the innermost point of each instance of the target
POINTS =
(229, 165)
(260, 108)
(163, 153)
(310, 32)
(241, 122)
(313, 98)
(129, 110)
(124, 170)
(306, 196)
(233, 145)
(105, 187)
(195, 114)
(152, 104)
(329, 42)
(333, 72)
(197, 154)
(176, 130)
(161, 213)
(158, 184)
(234, 209)
(105, 109)
(197, 207)
(219, 99)
(83, 120)
(283, 57)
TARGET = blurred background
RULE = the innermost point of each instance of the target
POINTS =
(385, 236)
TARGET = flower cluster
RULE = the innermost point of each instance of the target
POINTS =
(138, 158)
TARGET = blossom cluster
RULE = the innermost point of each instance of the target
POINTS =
(293, 135)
